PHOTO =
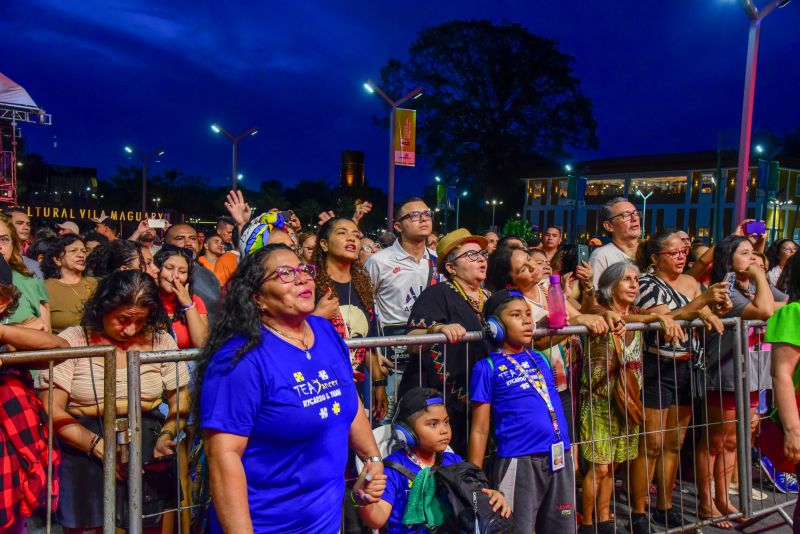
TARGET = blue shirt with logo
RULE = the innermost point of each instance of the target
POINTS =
(297, 414)
(522, 421)
(398, 487)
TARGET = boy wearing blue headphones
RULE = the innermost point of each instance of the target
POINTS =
(422, 426)
(515, 386)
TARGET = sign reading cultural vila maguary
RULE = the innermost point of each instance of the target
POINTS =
(57, 212)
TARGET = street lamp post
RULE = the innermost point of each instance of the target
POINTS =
(458, 206)
(370, 86)
(145, 157)
(644, 209)
(235, 142)
(756, 16)
(494, 203)
(157, 200)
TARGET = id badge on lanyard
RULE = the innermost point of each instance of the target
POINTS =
(557, 448)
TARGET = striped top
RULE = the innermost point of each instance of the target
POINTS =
(75, 376)
(653, 292)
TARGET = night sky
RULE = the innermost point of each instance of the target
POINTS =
(663, 76)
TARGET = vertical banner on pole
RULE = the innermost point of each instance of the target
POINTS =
(451, 197)
(405, 137)
(441, 194)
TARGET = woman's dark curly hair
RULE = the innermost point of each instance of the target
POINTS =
(361, 280)
(161, 257)
(723, 257)
(110, 257)
(239, 315)
(498, 270)
(124, 288)
(56, 251)
(654, 245)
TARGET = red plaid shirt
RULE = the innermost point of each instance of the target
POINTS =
(23, 449)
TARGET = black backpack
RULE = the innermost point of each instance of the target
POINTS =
(459, 485)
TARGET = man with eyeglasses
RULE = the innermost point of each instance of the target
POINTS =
(623, 221)
(399, 273)
(205, 284)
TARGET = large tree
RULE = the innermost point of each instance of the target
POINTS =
(496, 98)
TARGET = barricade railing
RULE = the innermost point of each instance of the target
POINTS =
(108, 353)
(620, 501)
(422, 343)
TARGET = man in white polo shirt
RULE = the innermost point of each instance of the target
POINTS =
(399, 274)
(623, 221)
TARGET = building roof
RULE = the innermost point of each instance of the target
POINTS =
(684, 161)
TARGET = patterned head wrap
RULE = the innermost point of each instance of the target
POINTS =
(256, 234)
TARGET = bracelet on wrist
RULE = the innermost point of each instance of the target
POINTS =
(431, 329)
(379, 383)
(187, 307)
(93, 444)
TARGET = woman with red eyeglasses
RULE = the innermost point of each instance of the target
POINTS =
(667, 371)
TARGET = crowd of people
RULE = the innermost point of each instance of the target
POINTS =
(280, 424)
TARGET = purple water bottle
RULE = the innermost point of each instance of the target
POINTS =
(557, 308)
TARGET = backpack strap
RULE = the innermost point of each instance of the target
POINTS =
(403, 470)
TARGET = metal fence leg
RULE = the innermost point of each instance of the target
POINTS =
(109, 440)
(742, 396)
(135, 445)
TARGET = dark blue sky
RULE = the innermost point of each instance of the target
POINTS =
(663, 76)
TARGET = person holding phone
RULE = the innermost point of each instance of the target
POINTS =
(752, 298)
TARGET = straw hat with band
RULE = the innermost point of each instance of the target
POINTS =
(452, 241)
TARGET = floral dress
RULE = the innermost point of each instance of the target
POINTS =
(603, 429)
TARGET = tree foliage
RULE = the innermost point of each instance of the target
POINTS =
(496, 97)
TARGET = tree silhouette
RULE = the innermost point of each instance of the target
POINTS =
(496, 99)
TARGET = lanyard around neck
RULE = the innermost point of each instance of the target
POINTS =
(539, 384)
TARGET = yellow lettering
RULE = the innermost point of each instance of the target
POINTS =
(130, 215)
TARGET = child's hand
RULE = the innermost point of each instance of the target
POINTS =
(371, 483)
(498, 502)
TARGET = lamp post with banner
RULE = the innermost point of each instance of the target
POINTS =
(371, 87)
(145, 157)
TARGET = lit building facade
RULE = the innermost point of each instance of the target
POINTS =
(684, 193)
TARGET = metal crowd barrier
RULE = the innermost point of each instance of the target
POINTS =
(620, 500)
(108, 353)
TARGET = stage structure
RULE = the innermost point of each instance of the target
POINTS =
(16, 107)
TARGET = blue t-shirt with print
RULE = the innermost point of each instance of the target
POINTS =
(398, 487)
(522, 421)
(297, 414)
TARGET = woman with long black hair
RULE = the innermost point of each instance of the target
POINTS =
(278, 405)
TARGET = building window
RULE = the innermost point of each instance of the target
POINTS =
(664, 189)
(560, 189)
(601, 191)
(707, 183)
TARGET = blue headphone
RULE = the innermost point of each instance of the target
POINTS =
(495, 330)
(402, 431)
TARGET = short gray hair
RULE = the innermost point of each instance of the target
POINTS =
(605, 211)
(609, 277)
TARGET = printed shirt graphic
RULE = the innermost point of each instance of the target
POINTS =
(398, 280)
(398, 487)
(354, 320)
(522, 421)
(297, 414)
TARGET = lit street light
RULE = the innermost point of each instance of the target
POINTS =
(235, 141)
(458, 205)
(145, 157)
(756, 16)
(157, 200)
(644, 209)
(371, 88)
(494, 203)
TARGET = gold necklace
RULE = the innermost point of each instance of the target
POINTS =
(301, 340)
(475, 303)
